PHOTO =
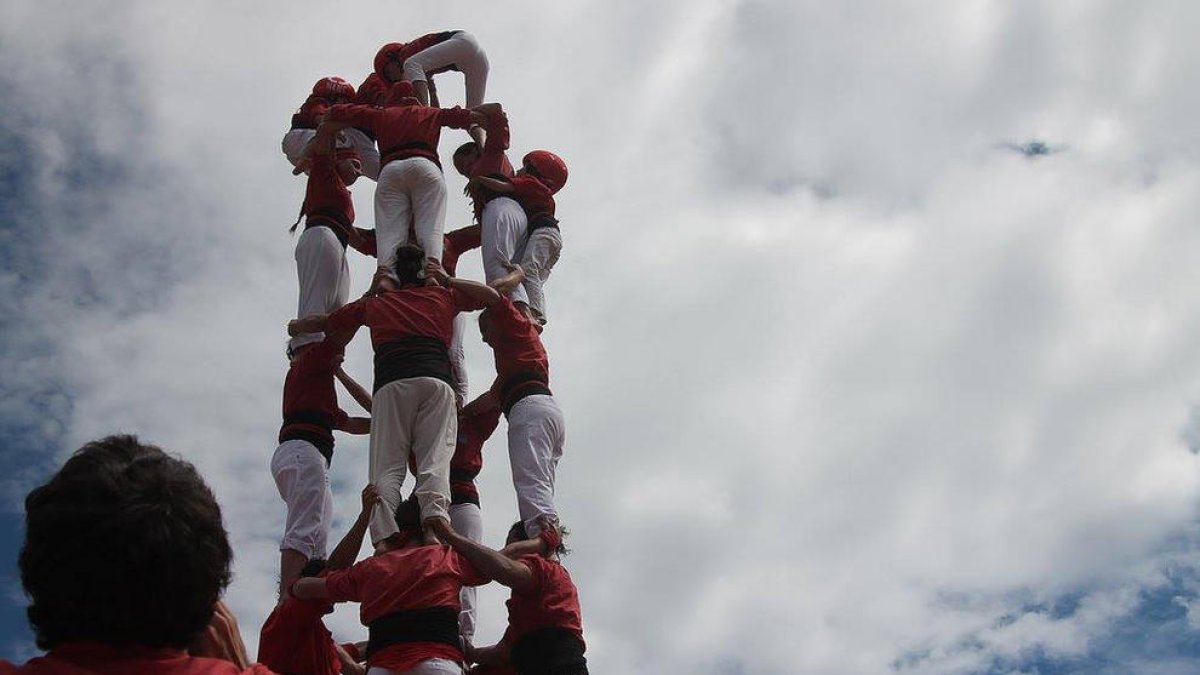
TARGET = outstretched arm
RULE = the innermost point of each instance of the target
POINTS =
(355, 389)
(347, 549)
(505, 284)
(494, 184)
(314, 323)
(491, 563)
(480, 293)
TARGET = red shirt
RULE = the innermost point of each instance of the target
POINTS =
(520, 356)
(467, 461)
(326, 194)
(403, 130)
(420, 577)
(552, 601)
(310, 404)
(533, 196)
(295, 640)
(492, 160)
(424, 311)
(86, 658)
(373, 91)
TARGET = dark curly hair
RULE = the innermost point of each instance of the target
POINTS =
(410, 264)
(124, 545)
(518, 533)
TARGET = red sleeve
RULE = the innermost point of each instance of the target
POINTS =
(464, 302)
(356, 115)
(470, 576)
(343, 585)
(258, 669)
(347, 319)
(497, 133)
(536, 565)
(455, 118)
(528, 188)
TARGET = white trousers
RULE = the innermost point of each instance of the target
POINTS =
(538, 256)
(502, 234)
(414, 415)
(536, 434)
(426, 667)
(458, 356)
(324, 277)
(461, 51)
(467, 520)
(410, 190)
(303, 482)
(296, 140)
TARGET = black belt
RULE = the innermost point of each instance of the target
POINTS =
(323, 443)
(321, 219)
(519, 386)
(413, 149)
(549, 651)
(431, 624)
(415, 356)
(543, 220)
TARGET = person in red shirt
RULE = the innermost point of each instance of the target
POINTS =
(326, 92)
(409, 598)
(300, 464)
(545, 623)
(411, 186)
(124, 561)
(542, 175)
(294, 638)
(419, 60)
(454, 244)
(536, 427)
(328, 213)
(413, 409)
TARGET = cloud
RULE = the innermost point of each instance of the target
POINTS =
(847, 389)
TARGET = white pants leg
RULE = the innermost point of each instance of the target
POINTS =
(536, 434)
(458, 357)
(426, 667)
(412, 191)
(462, 51)
(303, 482)
(367, 152)
(467, 520)
(324, 277)
(294, 142)
(538, 258)
(414, 415)
(502, 235)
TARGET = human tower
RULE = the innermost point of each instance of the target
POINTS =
(416, 592)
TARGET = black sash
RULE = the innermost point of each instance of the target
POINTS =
(520, 385)
(406, 150)
(414, 356)
(431, 624)
(549, 651)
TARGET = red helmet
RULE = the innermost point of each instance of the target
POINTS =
(548, 167)
(333, 88)
(401, 91)
(390, 51)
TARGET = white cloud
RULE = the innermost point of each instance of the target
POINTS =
(845, 384)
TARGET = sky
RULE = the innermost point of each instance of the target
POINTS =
(849, 386)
